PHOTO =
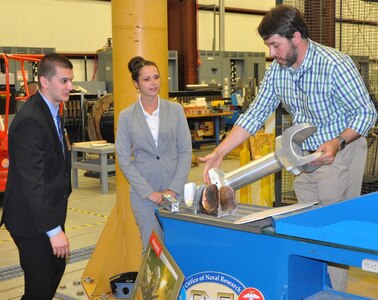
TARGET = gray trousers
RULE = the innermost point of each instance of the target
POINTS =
(334, 183)
(147, 221)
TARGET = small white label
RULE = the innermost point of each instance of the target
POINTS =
(370, 265)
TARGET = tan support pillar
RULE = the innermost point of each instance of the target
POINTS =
(138, 28)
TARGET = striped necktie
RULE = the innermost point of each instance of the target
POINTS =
(60, 132)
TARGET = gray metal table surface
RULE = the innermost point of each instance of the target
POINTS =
(103, 165)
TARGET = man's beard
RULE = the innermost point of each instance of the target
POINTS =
(292, 57)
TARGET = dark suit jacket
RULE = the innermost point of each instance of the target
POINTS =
(39, 178)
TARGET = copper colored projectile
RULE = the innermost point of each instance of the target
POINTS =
(227, 199)
(209, 203)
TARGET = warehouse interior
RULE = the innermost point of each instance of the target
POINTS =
(215, 63)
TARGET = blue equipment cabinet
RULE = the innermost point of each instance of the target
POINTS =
(285, 259)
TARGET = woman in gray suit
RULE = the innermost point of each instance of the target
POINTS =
(154, 148)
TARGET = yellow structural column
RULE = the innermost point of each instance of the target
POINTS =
(138, 28)
(245, 158)
(266, 184)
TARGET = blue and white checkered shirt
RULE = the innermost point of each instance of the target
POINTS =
(326, 91)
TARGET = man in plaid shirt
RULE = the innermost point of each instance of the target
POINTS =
(317, 85)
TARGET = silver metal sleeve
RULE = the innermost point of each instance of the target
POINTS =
(253, 171)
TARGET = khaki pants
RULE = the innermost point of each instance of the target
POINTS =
(334, 183)
(337, 182)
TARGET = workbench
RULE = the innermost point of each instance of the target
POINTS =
(103, 165)
(214, 117)
(282, 258)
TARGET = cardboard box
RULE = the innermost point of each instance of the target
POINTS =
(197, 135)
(208, 128)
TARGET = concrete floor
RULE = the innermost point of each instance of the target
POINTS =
(87, 213)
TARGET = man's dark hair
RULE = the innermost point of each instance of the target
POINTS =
(283, 20)
(46, 66)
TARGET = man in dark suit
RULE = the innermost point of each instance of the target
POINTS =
(39, 181)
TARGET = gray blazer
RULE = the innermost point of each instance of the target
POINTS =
(149, 168)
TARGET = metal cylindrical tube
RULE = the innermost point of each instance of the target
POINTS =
(255, 170)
